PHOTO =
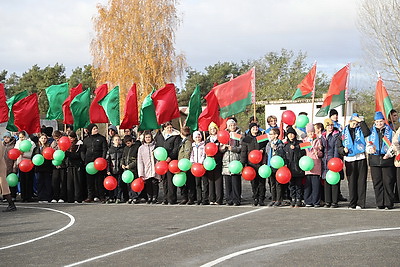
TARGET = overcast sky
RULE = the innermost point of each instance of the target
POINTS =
(48, 31)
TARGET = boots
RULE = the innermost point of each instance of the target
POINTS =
(11, 205)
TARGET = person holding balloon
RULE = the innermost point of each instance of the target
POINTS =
(4, 188)
(9, 143)
(59, 175)
(26, 146)
(146, 168)
(185, 149)
(114, 157)
(73, 148)
(198, 155)
(43, 169)
(231, 166)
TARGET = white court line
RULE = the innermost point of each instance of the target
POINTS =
(238, 253)
(162, 238)
(71, 222)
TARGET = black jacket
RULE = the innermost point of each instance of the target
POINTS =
(95, 146)
(171, 144)
(249, 143)
(292, 157)
(114, 158)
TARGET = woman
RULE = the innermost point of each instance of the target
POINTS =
(215, 181)
(59, 175)
(74, 163)
(231, 152)
(9, 143)
(44, 171)
(4, 189)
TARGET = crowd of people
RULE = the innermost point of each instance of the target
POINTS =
(356, 144)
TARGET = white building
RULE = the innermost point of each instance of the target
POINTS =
(303, 105)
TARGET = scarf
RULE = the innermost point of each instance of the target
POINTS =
(355, 146)
(381, 147)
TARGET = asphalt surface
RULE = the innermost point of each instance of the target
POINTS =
(157, 235)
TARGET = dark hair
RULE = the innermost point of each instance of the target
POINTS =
(57, 133)
(303, 113)
(147, 132)
(252, 119)
(319, 125)
(72, 134)
(23, 133)
(128, 138)
(168, 123)
(185, 131)
(276, 131)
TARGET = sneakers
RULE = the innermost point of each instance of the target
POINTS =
(129, 201)
(271, 204)
(54, 201)
(327, 205)
(278, 204)
(190, 202)
(96, 199)
(309, 206)
(88, 200)
(10, 208)
(60, 201)
(183, 202)
(255, 202)
(358, 208)
(117, 201)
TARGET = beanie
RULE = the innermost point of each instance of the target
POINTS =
(212, 125)
(333, 112)
(327, 122)
(379, 116)
(291, 130)
(310, 128)
(251, 125)
(90, 128)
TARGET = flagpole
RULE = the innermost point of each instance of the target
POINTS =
(254, 90)
(313, 96)
(346, 95)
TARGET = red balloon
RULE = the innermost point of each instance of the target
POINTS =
(223, 137)
(248, 173)
(173, 166)
(283, 175)
(110, 183)
(100, 164)
(335, 164)
(198, 169)
(14, 153)
(26, 165)
(211, 149)
(48, 153)
(255, 156)
(137, 185)
(289, 117)
(161, 167)
(64, 143)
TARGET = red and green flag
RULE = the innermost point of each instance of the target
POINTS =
(210, 113)
(131, 116)
(336, 95)
(110, 104)
(97, 113)
(262, 138)
(305, 145)
(235, 136)
(386, 141)
(148, 118)
(234, 96)
(10, 103)
(307, 85)
(26, 114)
(56, 94)
(194, 109)
(382, 99)
(68, 119)
(166, 103)
(80, 109)
(3, 104)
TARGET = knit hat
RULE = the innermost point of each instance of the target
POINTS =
(213, 125)
(291, 130)
(90, 128)
(251, 125)
(7, 134)
(196, 133)
(353, 116)
(230, 121)
(333, 112)
(379, 116)
(327, 122)
(310, 128)
(113, 127)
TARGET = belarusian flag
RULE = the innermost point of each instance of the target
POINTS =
(148, 118)
(235, 95)
(235, 136)
(3, 104)
(194, 109)
(80, 109)
(262, 138)
(56, 94)
(110, 104)
(210, 113)
(68, 119)
(336, 92)
(165, 103)
(386, 141)
(97, 113)
(26, 114)
(131, 116)
(10, 103)
(382, 99)
(305, 145)
(307, 85)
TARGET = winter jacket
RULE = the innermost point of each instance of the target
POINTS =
(292, 157)
(114, 157)
(94, 146)
(47, 165)
(146, 161)
(218, 156)
(129, 156)
(230, 155)
(185, 148)
(316, 147)
(170, 143)
(9, 162)
(74, 155)
(249, 143)
(270, 152)
(25, 155)
(330, 150)
(198, 154)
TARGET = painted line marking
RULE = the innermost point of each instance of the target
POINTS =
(71, 222)
(239, 253)
(162, 238)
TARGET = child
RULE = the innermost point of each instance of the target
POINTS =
(114, 157)
(146, 169)
(129, 162)
(74, 162)
(59, 176)
(274, 147)
(185, 148)
(292, 155)
(312, 187)
(44, 190)
(215, 181)
(197, 156)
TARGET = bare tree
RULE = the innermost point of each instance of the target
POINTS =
(379, 22)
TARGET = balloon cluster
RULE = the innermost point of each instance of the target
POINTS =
(98, 164)
(335, 165)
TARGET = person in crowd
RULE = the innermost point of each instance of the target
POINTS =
(44, 172)
(9, 143)
(292, 155)
(94, 146)
(4, 188)
(352, 147)
(198, 155)
(146, 168)
(319, 129)
(59, 175)
(272, 122)
(185, 149)
(231, 152)
(254, 120)
(68, 128)
(114, 168)
(393, 119)
(334, 116)
(112, 131)
(250, 143)
(215, 181)
(394, 151)
(25, 178)
(382, 166)
(312, 196)
(329, 138)
(74, 163)
(129, 162)
(170, 139)
(274, 147)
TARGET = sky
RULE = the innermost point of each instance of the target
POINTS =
(49, 31)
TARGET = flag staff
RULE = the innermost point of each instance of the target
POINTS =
(313, 95)
(346, 95)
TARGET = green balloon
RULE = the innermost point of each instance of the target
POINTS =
(56, 162)
(235, 166)
(306, 163)
(264, 171)
(209, 163)
(184, 164)
(179, 179)
(160, 153)
(90, 169)
(12, 179)
(127, 176)
(277, 162)
(301, 121)
(332, 178)
(59, 155)
(25, 146)
(38, 160)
